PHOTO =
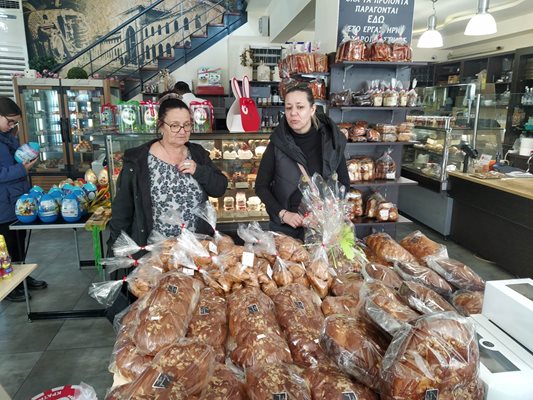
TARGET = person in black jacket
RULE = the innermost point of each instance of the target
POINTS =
(164, 174)
(302, 137)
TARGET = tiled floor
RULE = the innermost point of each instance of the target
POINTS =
(44, 354)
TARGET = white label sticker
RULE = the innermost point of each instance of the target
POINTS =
(156, 318)
(188, 271)
(384, 214)
(269, 272)
(213, 248)
(261, 336)
(390, 175)
(248, 259)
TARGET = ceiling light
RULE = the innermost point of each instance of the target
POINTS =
(431, 38)
(482, 23)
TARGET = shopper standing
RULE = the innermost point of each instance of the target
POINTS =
(164, 174)
(303, 139)
(13, 184)
(183, 89)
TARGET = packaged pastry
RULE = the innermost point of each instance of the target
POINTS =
(387, 249)
(340, 305)
(377, 98)
(352, 48)
(223, 385)
(456, 273)
(372, 204)
(373, 135)
(401, 50)
(387, 211)
(382, 273)
(355, 204)
(356, 347)
(412, 271)
(422, 299)
(321, 62)
(406, 137)
(468, 302)
(318, 272)
(386, 128)
(385, 167)
(347, 284)
(276, 381)
(389, 137)
(345, 128)
(328, 382)
(390, 98)
(438, 355)
(421, 246)
(127, 361)
(379, 49)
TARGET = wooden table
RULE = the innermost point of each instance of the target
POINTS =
(20, 273)
(494, 219)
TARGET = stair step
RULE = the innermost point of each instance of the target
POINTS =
(149, 68)
(215, 24)
(200, 35)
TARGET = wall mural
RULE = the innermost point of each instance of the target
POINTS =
(62, 28)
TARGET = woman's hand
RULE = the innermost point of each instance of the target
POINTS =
(293, 219)
(187, 167)
(29, 164)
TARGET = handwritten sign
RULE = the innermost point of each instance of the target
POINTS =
(366, 17)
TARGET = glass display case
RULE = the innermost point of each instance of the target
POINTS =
(237, 154)
(457, 101)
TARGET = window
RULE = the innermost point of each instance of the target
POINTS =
(153, 31)
(160, 50)
(169, 50)
(167, 28)
(159, 30)
(147, 53)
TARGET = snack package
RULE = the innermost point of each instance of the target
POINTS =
(438, 356)
(412, 271)
(372, 204)
(379, 49)
(385, 167)
(355, 204)
(422, 299)
(276, 381)
(421, 246)
(468, 302)
(456, 273)
(383, 274)
(352, 48)
(355, 346)
(387, 211)
(385, 308)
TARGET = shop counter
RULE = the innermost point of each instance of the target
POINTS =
(494, 219)
(20, 273)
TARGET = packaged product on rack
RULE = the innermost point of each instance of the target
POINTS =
(372, 204)
(385, 167)
(347, 305)
(208, 213)
(321, 62)
(126, 360)
(438, 357)
(467, 302)
(387, 212)
(149, 112)
(373, 135)
(412, 95)
(360, 169)
(387, 249)
(203, 116)
(355, 204)
(401, 50)
(379, 49)
(383, 274)
(385, 308)
(422, 299)
(129, 118)
(456, 273)
(108, 114)
(352, 48)
(421, 246)
(356, 347)
(276, 381)
(412, 271)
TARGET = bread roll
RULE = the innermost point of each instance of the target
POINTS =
(127, 361)
(423, 299)
(412, 271)
(356, 347)
(386, 249)
(328, 382)
(347, 284)
(421, 246)
(468, 302)
(438, 353)
(259, 348)
(456, 273)
(276, 381)
(153, 383)
(340, 305)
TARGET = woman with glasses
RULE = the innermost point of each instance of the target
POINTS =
(165, 174)
(303, 141)
(13, 184)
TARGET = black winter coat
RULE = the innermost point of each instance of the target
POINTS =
(132, 206)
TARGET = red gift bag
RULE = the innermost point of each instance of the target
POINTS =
(242, 115)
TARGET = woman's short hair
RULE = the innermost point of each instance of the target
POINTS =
(169, 104)
(8, 107)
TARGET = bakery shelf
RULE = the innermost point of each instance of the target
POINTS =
(370, 144)
(380, 63)
(365, 221)
(308, 75)
(350, 108)
(376, 183)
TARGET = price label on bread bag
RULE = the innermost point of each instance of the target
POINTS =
(162, 381)
(248, 259)
(280, 396)
(253, 309)
(213, 248)
(349, 396)
(188, 271)
(432, 394)
(204, 310)
(172, 289)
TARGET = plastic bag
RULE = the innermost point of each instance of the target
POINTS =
(319, 272)
(385, 167)
(276, 381)
(105, 293)
(420, 246)
(348, 305)
(422, 299)
(347, 284)
(383, 274)
(438, 355)
(387, 250)
(224, 385)
(456, 273)
(126, 246)
(412, 271)
(468, 302)
(355, 346)
(126, 360)
(208, 213)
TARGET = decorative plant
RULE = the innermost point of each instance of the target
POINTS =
(77, 73)
(247, 57)
(44, 63)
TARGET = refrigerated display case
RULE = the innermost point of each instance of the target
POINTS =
(63, 116)
(236, 154)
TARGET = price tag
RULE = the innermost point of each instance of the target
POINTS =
(252, 309)
(299, 304)
(248, 259)
(432, 394)
(163, 381)
(172, 289)
(213, 248)
(269, 271)
(188, 271)
(280, 396)
(349, 396)
(204, 310)
(260, 336)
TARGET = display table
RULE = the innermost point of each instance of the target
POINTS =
(20, 273)
(494, 219)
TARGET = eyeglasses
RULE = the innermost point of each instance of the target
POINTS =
(176, 128)
(11, 122)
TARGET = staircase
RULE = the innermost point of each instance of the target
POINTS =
(157, 37)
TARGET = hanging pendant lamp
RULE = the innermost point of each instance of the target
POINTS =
(431, 38)
(482, 23)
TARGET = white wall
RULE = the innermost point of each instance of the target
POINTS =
(326, 24)
(290, 17)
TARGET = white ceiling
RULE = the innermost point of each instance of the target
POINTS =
(452, 15)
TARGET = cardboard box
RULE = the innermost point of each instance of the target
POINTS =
(509, 304)
(210, 90)
(506, 369)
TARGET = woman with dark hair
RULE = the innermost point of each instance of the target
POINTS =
(304, 140)
(165, 174)
(13, 184)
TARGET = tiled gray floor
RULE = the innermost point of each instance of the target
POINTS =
(45, 354)
(15, 368)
